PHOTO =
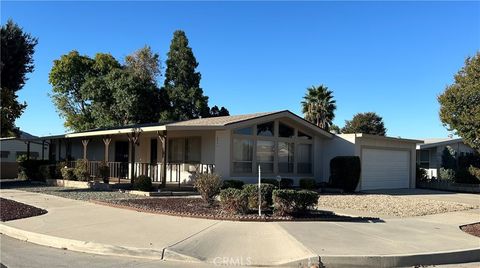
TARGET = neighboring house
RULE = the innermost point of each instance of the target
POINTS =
(11, 148)
(281, 143)
(429, 154)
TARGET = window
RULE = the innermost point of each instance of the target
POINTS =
(176, 148)
(192, 150)
(304, 164)
(244, 131)
(304, 136)
(265, 129)
(33, 155)
(424, 158)
(265, 155)
(285, 157)
(285, 131)
(4, 154)
(184, 150)
(242, 155)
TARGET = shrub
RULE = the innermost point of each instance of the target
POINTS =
(475, 172)
(104, 172)
(286, 183)
(208, 185)
(270, 181)
(420, 173)
(68, 173)
(308, 183)
(234, 201)
(251, 190)
(447, 174)
(30, 169)
(232, 184)
(345, 172)
(142, 183)
(81, 170)
(291, 202)
(467, 164)
(46, 171)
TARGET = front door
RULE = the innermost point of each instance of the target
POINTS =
(121, 151)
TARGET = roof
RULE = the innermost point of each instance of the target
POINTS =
(23, 136)
(434, 142)
(210, 123)
(370, 136)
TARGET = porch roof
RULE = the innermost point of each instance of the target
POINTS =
(211, 123)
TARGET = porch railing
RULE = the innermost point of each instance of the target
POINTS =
(175, 173)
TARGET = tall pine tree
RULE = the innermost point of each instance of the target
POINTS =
(182, 82)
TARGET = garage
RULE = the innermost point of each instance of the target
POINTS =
(385, 169)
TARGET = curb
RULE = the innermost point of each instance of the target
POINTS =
(80, 246)
(403, 260)
(429, 258)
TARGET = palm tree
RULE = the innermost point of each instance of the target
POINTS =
(318, 106)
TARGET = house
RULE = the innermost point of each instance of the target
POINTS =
(281, 143)
(12, 147)
(429, 153)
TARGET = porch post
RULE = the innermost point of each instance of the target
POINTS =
(106, 141)
(133, 138)
(164, 171)
(85, 144)
(59, 150)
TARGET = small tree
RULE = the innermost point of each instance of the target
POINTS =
(318, 106)
(448, 158)
(459, 104)
(367, 123)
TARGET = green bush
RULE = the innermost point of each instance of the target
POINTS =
(420, 173)
(208, 185)
(104, 172)
(232, 184)
(68, 174)
(447, 175)
(270, 181)
(81, 170)
(46, 171)
(234, 201)
(142, 183)
(292, 202)
(308, 184)
(345, 172)
(286, 183)
(467, 164)
(251, 190)
(30, 169)
(475, 172)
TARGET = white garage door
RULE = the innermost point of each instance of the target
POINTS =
(385, 169)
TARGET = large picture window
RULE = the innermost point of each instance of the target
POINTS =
(265, 129)
(285, 157)
(265, 155)
(304, 164)
(242, 155)
(184, 150)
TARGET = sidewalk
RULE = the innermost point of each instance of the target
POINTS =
(86, 227)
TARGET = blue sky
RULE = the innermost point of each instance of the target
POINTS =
(393, 58)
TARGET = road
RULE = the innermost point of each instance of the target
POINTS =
(18, 254)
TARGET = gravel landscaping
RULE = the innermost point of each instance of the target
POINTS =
(473, 229)
(12, 210)
(71, 193)
(196, 208)
(389, 205)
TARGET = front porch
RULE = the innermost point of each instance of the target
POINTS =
(169, 160)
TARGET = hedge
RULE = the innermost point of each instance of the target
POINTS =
(345, 172)
(251, 190)
(232, 184)
(234, 201)
(292, 202)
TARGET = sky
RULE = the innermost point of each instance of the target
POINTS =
(392, 58)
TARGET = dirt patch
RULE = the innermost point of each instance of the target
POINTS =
(12, 210)
(196, 208)
(473, 229)
(390, 205)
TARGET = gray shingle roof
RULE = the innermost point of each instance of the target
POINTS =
(220, 120)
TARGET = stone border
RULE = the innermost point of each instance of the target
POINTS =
(161, 193)
(78, 184)
(245, 218)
